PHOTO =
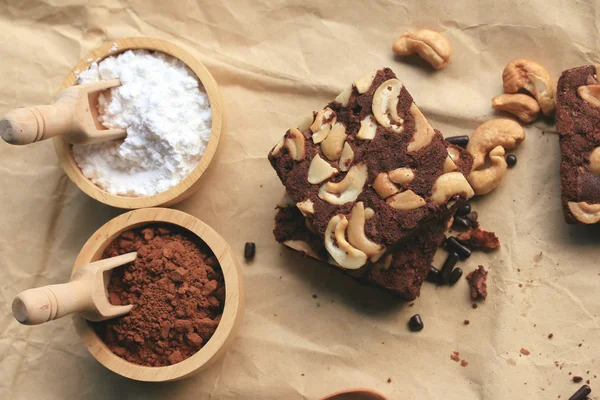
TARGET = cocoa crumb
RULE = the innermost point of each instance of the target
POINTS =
(477, 279)
(466, 322)
(389, 380)
(178, 292)
(525, 352)
(550, 336)
(479, 239)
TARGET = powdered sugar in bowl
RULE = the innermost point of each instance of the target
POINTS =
(173, 125)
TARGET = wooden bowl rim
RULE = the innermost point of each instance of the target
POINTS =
(232, 312)
(189, 184)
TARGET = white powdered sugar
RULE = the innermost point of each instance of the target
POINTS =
(166, 113)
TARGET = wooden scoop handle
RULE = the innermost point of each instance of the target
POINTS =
(32, 124)
(47, 303)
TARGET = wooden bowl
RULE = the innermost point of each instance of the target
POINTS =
(188, 185)
(232, 312)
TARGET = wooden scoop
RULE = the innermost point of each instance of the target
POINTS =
(74, 115)
(85, 294)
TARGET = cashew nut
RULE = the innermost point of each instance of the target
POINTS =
(423, 133)
(524, 107)
(346, 158)
(402, 176)
(347, 189)
(295, 144)
(302, 247)
(344, 253)
(322, 124)
(450, 184)
(286, 201)
(495, 132)
(449, 165)
(384, 186)
(485, 180)
(368, 128)
(356, 232)
(531, 76)
(277, 149)
(385, 105)
(320, 170)
(430, 45)
(590, 93)
(344, 97)
(306, 207)
(585, 212)
(407, 200)
(363, 84)
(594, 165)
(305, 123)
(333, 144)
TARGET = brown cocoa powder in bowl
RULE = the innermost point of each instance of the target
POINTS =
(178, 291)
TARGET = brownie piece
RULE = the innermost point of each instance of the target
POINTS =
(368, 172)
(402, 270)
(578, 123)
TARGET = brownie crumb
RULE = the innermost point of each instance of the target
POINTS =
(479, 239)
(477, 279)
(577, 379)
(314, 296)
(455, 356)
(474, 305)
(466, 322)
(464, 363)
(525, 352)
(550, 336)
(389, 380)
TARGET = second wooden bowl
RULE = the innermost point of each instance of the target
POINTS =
(234, 296)
(187, 186)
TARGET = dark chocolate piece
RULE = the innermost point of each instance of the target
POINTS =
(461, 223)
(464, 209)
(455, 275)
(448, 267)
(461, 141)
(511, 160)
(249, 250)
(582, 393)
(433, 275)
(454, 245)
(415, 323)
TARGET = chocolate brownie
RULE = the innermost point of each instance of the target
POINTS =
(370, 165)
(578, 123)
(402, 270)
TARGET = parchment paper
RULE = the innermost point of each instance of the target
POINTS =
(276, 61)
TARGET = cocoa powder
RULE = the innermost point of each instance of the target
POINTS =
(177, 288)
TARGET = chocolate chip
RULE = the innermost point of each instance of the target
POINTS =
(461, 223)
(455, 275)
(415, 324)
(433, 275)
(447, 268)
(582, 393)
(453, 244)
(463, 210)
(511, 160)
(461, 141)
(577, 379)
(249, 250)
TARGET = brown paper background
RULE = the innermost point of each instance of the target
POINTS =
(275, 62)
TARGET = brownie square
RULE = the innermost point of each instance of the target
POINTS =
(578, 124)
(368, 172)
(401, 271)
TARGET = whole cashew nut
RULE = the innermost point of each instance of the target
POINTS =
(430, 45)
(495, 132)
(585, 212)
(531, 76)
(356, 232)
(333, 144)
(384, 186)
(347, 189)
(485, 180)
(448, 185)
(524, 107)
(338, 247)
(385, 105)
